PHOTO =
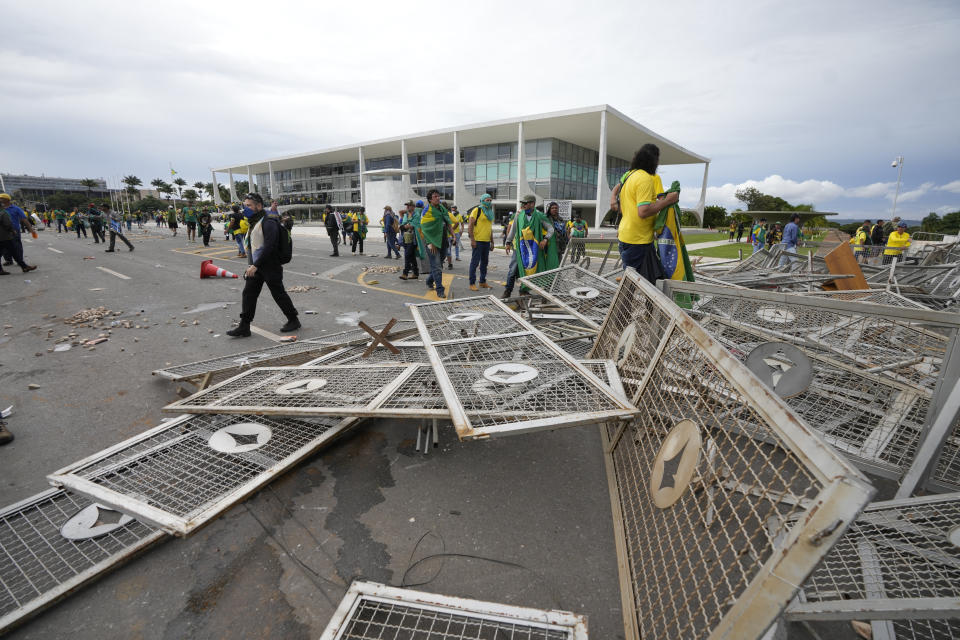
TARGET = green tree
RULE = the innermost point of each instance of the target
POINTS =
(714, 216)
(90, 184)
(951, 223)
(149, 204)
(200, 188)
(181, 183)
(157, 183)
(756, 200)
(166, 188)
(191, 196)
(931, 223)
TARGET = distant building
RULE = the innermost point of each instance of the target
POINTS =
(577, 155)
(34, 188)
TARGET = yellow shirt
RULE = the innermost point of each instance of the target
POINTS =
(482, 226)
(640, 188)
(455, 221)
(896, 243)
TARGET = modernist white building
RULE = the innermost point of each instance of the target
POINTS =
(573, 155)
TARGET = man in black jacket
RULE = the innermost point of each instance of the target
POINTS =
(263, 255)
(334, 226)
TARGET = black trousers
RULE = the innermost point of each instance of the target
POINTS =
(79, 226)
(335, 241)
(97, 229)
(13, 250)
(113, 239)
(205, 230)
(357, 239)
(273, 277)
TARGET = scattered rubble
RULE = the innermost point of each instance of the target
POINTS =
(381, 269)
(300, 289)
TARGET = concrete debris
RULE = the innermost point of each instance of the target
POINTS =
(90, 315)
(62, 347)
(300, 289)
(33, 386)
(381, 269)
(90, 343)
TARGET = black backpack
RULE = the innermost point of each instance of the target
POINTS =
(285, 250)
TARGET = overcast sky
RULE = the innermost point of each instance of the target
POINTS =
(810, 101)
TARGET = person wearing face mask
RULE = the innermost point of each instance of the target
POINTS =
(263, 255)
(529, 227)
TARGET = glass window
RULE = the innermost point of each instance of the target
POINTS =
(492, 171)
(543, 169)
(469, 154)
(513, 170)
(530, 166)
(503, 171)
(492, 190)
(469, 174)
(503, 150)
(543, 148)
(480, 170)
(480, 153)
(448, 157)
(530, 148)
(513, 191)
(554, 168)
(448, 175)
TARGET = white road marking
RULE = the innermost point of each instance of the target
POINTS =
(329, 273)
(54, 250)
(114, 273)
(266, 334)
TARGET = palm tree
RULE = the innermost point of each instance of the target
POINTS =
(157, 184)
(131, 181)
(190, 196)
(165, 188)
(208, 187)
(181, 183)
(90, 184)
(199, 187)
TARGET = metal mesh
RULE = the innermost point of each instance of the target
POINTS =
(596, 255)
(584, 294)
(876, 296)
(874, 420)
(904, 344)
(473, 318)
(946, 470)
(338, 390)
(291, 355)
(38, 565)
(174, 469)
(896, 550)
(401, 328)
(570, 334)
(716, 559)
(512, 382)
(373, 611)
(374, 618)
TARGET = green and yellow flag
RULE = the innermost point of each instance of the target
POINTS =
(673, 251)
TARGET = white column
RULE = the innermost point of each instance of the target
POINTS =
(522, 185)
(233, 188)
(250, 180)
(703, 193)
(216, 189)
(360, 159)
(273, 182)
(603, 189)
(456, 170)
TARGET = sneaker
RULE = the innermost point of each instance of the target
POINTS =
(7, 263)
(29, 268)
(415, 276)
(131, 248)
(292, 325)
(441, 293)
(108, 251)
(473, 287)
(5, 436)
(484, 285)
(242, 330)
(4, 273)
(506, 295)
(403, 277)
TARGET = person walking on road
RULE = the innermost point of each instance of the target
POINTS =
(390, 228)
(434, 221)
(480, 232)
(78, 224)
(410, 235)
(115, 220)
(529, 224)
(96, 224)
(190, 219)
(12, 247)
(206, 226)
(359, 223)
(172, 220)
(334, 224)
(237, 227)
(264, 252)
(739, 230)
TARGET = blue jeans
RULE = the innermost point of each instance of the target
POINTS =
(479, 258)
(392, 245)
(784, 260)
(239, 239)
(511, 273)
(456, 244)
(436, 271)
(644, 258)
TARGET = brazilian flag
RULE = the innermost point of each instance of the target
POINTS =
(673, 251)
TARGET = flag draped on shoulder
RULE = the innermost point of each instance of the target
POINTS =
(673, 251)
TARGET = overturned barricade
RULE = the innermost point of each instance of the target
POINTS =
(370, 610)
(53, 543)
(500, 376)
(898, 567)
(598, 255)
(724, 500)
(584, 294)
(878, 375)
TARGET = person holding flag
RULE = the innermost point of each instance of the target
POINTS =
(434, 222)
(528, 236)
(642, 199)
(673, 251)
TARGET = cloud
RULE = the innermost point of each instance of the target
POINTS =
(952, 187)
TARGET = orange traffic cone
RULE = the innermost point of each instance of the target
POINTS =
(210, 270)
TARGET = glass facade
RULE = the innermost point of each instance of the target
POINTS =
(554, 168)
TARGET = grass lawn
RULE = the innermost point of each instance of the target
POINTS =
(709, 236)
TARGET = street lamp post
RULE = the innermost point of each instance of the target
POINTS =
(898, 165)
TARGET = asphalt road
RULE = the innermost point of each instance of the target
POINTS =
(278, 564)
